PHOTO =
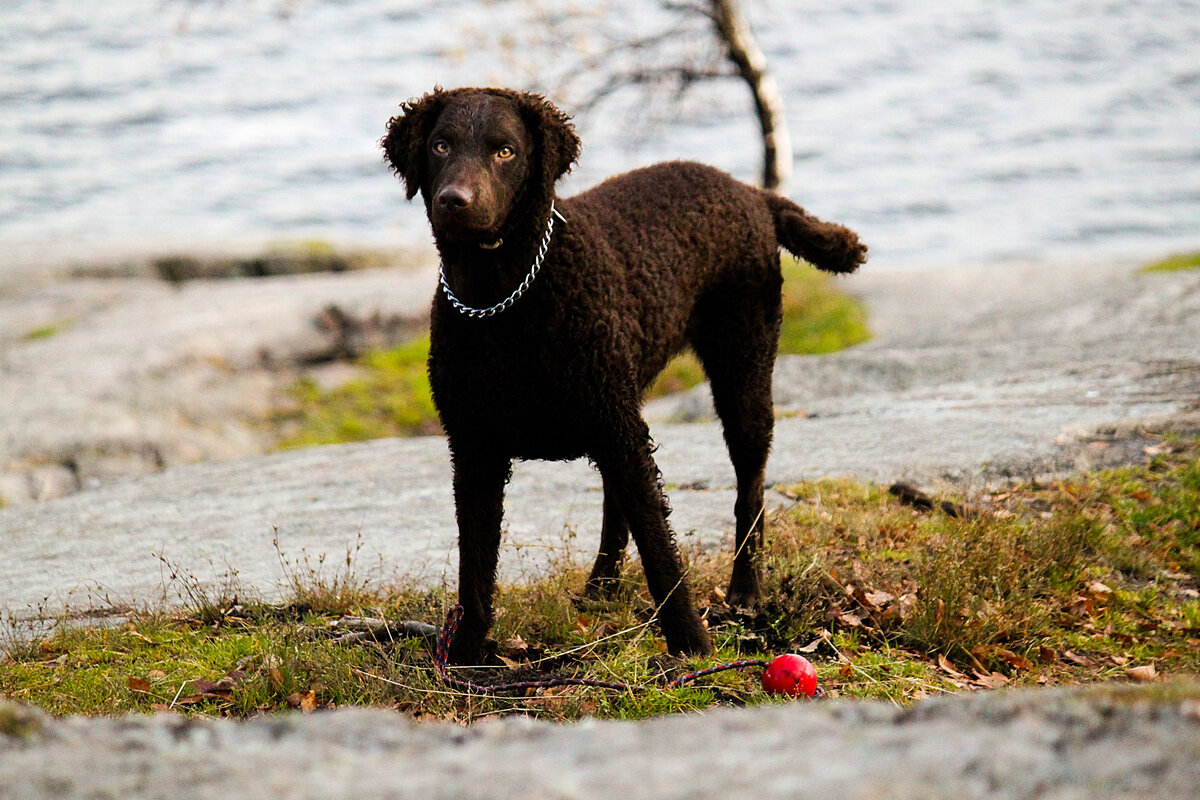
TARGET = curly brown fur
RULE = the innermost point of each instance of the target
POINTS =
(646, 264)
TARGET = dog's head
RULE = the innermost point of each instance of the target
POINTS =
(479, 155)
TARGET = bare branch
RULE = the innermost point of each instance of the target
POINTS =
(690, 8)
(684, 76)
(743, 50)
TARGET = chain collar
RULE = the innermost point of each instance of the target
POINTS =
(507, 302)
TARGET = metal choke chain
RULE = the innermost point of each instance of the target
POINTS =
(507, 302)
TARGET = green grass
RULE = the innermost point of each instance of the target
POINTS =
(1076, 582)
(1174, 263)
(391, 397)
(47, 331)
(817, 316)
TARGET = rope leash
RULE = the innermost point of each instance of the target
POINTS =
(441, 658)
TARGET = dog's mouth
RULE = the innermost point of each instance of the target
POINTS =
(462, 227)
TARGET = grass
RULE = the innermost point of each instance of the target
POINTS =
(1086, 580)
(1175, 263)
(46, 331)
(283, 257)
(390, 396)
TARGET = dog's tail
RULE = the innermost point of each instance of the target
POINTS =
(825, 245)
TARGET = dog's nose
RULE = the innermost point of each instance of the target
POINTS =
(455, 198)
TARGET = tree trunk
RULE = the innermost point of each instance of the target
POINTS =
(751, 64)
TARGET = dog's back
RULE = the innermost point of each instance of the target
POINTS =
(676, 237)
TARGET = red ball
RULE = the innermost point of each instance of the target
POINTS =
(790, 674)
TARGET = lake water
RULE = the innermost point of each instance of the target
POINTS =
(968, 131)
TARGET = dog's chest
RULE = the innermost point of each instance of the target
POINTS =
(527, 393)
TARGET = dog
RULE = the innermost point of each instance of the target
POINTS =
(555, 314)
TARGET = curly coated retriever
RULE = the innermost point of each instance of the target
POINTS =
(555, 314)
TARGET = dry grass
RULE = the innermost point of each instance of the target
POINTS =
(1091, 579)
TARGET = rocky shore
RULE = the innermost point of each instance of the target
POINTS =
(126, 436)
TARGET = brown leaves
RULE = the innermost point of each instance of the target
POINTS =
(1143, 674)
(871, 608)
(204, 691)
(199, 691)
(1015, 661)
(306, 702)
(980, 676)
(945, 666)
(988, 680)
(139, 685)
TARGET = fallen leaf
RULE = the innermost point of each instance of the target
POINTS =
(1015, 661)
(850, 620)
(945, 665)
(989, 680)
(1143, 674)
(276, 677)
(515, 648)
(139, 685)
(222, 689)
(308, 703)
(156, 674)
(879, 599)
(1075, 658)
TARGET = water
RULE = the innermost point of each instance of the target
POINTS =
(968, 131)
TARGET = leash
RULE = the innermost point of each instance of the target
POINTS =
(441, 658)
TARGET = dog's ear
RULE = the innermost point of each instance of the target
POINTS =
(557, 143)
(404, 144)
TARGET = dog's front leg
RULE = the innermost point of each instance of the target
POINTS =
(628, 468)
(479, 481)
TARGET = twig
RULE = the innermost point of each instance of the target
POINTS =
(364, 629)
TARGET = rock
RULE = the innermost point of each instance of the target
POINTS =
(108, 378)
(1063, 744)
(975, 377)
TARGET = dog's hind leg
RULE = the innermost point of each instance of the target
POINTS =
(479, 481)
(614, 538)
(737, 349)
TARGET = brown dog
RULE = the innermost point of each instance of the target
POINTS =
(555, 315)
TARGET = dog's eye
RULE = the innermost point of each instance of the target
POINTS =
(505, 152)
(440, 147)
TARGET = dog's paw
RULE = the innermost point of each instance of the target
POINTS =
(747, 601)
